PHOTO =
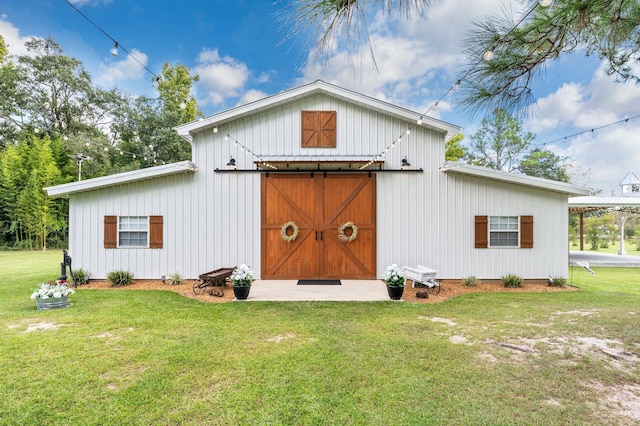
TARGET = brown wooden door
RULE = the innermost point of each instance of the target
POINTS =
(318, 204)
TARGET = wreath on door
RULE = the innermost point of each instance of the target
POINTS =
(342, 232)
(289, 232)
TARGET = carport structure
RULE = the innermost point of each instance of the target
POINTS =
(626, 207)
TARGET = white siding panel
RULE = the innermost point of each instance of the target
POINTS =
(212, 220)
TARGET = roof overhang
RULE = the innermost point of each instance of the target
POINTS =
(593, 203)
(516, 179)
(121, 178)
(188, 130)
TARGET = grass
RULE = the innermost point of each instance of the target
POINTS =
(153, 357)
(630, 247)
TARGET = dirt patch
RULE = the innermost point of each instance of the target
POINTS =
(449, 289)
(185, 289)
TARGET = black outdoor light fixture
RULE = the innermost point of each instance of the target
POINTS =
(231, 165)
(405, 164)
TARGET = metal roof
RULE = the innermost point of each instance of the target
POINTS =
(517, 179)
(592, 203)
(121, 178)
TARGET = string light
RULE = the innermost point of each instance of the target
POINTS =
(488, 55)
(116, 45)
(248, 151)
(624, 121)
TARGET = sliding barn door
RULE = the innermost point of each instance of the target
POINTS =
(319, 206)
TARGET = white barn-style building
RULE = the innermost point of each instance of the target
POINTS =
(310, 183)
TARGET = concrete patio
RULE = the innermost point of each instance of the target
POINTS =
(288, 290)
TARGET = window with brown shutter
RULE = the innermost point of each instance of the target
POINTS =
(482, 232)
(504, 231)
(526, 231)
(318, 129)
(155, 232)
(110, 232)
(131, 232)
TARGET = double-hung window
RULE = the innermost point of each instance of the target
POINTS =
(133, 231)
(504, 231)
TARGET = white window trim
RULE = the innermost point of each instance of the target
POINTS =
(148, 231)
(489, 231)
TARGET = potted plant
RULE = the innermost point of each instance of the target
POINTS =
(52, 295)
(394, 278)
(242, 276)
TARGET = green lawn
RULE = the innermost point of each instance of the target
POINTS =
(630, 247)
(156, 358)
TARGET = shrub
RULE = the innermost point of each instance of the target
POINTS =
(175, 279)
(469, 281)
(120, 278)
(512, 281)
(80, 276)
(557, 281)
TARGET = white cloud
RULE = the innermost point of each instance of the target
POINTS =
(221, 77)
(411, 54)
(127, 68)
(251, 96)
(607, 153)
(13, 40)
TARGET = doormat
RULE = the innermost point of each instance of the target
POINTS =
(319, 282)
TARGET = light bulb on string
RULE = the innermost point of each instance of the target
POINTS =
(114, 51)
(419, 121)
(408, 132)
(215, 130)
(488, 55)
(545, 3)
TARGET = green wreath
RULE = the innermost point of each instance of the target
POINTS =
(342, 236)
(284, 232)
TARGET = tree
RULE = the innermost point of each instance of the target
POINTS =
(545, 164)
(454, 151)
(342, 20)
(499, 142)
(609, 29)
(600, 229)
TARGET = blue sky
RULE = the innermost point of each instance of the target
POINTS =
(236, 48)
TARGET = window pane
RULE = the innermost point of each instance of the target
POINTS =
(503, 239)
(133, 239)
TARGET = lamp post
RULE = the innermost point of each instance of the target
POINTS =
(80, 157)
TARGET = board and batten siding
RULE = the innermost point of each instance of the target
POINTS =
(276, 132)
(212, 220)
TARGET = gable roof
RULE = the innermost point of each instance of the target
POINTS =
(517, 179)
(317, 87)
(630, 179)
(121, 178)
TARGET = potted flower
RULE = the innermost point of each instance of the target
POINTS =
(394, 278)
(242, 276)
(52, 295)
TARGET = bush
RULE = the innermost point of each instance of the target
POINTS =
(557, 281)
(469, 281)
(512, 281)
(175, 279)
(120, 278)
(80, 276)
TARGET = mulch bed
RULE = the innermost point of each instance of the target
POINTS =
(448, 290)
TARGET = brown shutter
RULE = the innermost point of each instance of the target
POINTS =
(482, 232)
(526, 231)
(327, 129)
(110, 232)
(155, 232)
(309, 128)
(318, 129)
